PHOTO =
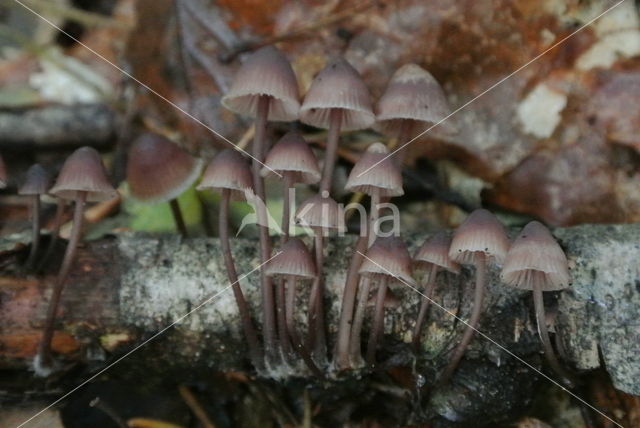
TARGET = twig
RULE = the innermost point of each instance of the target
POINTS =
(192, 402)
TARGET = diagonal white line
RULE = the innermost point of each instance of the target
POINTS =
(147, 87)
(493, 341)
(180, 319)
(498, 83)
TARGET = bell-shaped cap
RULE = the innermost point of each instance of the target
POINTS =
(159, 170)
(294, 260)
(435, 251)
(3, 174)
(37, 181)
(536, 256)
(228, 170)
(84, 171)
(412, 94)
(338, 86)
(293, 155)
(376, 172)
(320, 212)
(265, 72)
(388, 256)
(481, 232)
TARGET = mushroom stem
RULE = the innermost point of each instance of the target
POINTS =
(424, 306)
(316, 338)
(290, 304)
(35, 241)
(291, 329)
(281, 303)
(474, 319)
(365, 286)
(348, 302)
(281, 307)
(358, 319)
(247, 325)
(331, 151)
(178, 218)
(377, 329)
(538, 303)
(286, 205)
(55, 233)
(44, 348)
(258, 149)
(406, 127)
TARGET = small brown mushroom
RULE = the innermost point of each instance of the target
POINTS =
(265, 88)
(37, 182)
(480, 238)
(338, 100)
(536, 262)
(230, 173)
(321, 214)
(432, 256)
(160, 171)
(82, 178)
(382, 181)
(413, 99)
(293, 159)
(294, 263)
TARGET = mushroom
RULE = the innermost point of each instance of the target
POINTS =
(321, 214)
(386, 259)
(3, 174)
(37, 182)
(294, 263)
(412, 98)
(265, 87)
(480, 238)
(292, 158)
(382, 181)
(432, 257)
(82, 178)
(55, 232)
(536, 262)
(338, 100)
(159, 171)
(230, 173)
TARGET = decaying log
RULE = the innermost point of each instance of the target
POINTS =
(125, 288)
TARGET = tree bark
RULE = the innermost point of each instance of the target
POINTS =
(125, 288)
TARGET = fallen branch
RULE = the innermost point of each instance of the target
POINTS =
(124, 289)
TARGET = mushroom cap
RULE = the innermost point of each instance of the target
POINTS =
(228, 170)
(265, 72)
(37, 181)
(536, 256)
(375, 172)
(83, 171)
(388, 256)
(435, 251)
(320, 212)
(3, 174)
(338, 86)
(481, 232)
(295, 260)
(159, 170)
(412, 94)
(293, 155)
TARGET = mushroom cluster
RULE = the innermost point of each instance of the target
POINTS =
(266, 89)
